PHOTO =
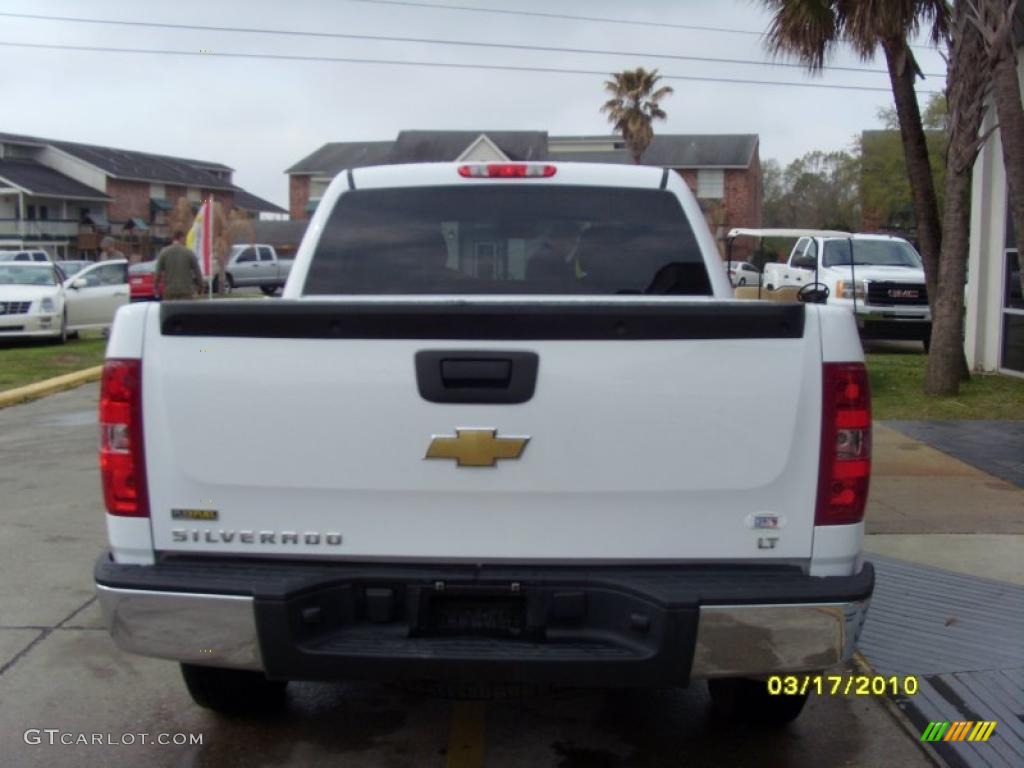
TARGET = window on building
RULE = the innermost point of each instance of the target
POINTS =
(711, 184)
(1012, 357)
(157, 191)
(30, 212)
(317, 188)
(44, 213)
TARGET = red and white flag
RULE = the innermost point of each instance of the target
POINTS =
(200, 237)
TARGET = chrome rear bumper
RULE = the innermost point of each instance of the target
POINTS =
(739, 640)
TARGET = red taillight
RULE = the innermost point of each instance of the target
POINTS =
(506, 171)
(845, 465)
(122, 461)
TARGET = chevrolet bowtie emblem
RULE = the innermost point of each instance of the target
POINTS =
(476, 447)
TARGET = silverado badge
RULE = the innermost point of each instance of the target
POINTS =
(475, 447)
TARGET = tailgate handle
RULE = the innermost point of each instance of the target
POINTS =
(459, 373)
(471, 376)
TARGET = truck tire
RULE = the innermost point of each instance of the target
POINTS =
(748, 701)
(227, 285)
(233, 691)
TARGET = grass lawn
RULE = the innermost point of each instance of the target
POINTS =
(24, 362)
(896, 380)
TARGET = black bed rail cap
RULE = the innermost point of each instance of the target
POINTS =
(301, 319)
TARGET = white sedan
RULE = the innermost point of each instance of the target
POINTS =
(37, 300)
(743, 272)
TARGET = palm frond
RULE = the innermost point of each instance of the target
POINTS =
(805, 29)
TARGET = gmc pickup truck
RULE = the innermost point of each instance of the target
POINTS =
(515, 399)
(879, 278)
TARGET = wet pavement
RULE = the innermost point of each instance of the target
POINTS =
(60, 671)
(995, 447)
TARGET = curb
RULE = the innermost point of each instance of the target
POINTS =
(49, 386)
(863, 666)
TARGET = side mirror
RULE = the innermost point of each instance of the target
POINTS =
(813, 293)
(79, 282)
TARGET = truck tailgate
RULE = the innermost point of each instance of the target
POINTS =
(671, 430)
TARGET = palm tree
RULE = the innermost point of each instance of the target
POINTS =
(634, 106)
(967, 84)
(810, 30)
(995, 20)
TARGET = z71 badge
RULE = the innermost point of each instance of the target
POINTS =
(194, 514)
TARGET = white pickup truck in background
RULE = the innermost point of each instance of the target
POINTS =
(880, 278)
(517, 395)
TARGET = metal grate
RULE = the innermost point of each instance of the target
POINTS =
(14, 307)
(963, 637)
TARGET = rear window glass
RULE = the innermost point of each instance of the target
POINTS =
(500, 239)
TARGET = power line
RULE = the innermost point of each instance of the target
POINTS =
(572, 17)
(431, 41)
(446, 65)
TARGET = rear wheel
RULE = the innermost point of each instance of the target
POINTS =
(233, 691)
(268, 290)
(748, 701)
(228, 285)
(743, 281)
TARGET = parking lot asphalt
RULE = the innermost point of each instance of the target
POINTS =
(60, 670)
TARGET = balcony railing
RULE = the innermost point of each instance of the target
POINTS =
(38, 227)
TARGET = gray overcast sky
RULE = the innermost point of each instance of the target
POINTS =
(259, 117)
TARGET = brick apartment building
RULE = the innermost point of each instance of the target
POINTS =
(724, 171)
(64, 196)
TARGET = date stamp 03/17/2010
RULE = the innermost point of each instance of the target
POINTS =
(843, 685)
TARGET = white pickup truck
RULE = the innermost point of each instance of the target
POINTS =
(880, 278)
(516, 397)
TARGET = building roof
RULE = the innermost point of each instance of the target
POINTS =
(37, 179)
(666, 150)
(446, 146)
(280, 233)
(247, 201)
(669, 150)
(418, 147)
(592, 156)
(144, 166)
(337, 156)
